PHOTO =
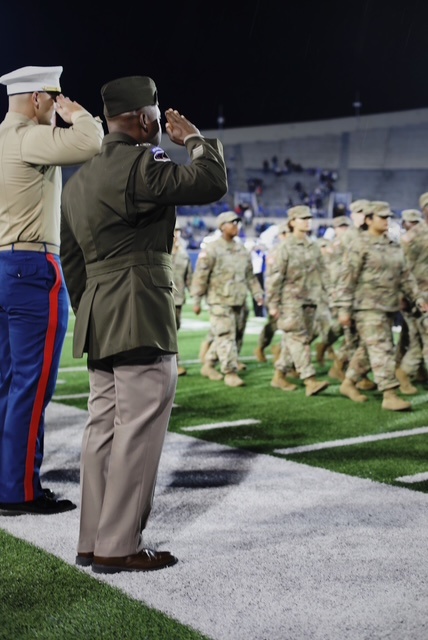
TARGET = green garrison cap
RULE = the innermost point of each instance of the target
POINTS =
(128, 94)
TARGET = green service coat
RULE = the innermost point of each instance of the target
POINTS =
(117, 228)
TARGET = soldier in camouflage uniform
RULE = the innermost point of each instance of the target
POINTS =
(293, 282)
(326, 329)
(415, 247)
(224, 274)
(373, 275)
(182, 272)
(269, 329)
(358, 210)
(267, 334)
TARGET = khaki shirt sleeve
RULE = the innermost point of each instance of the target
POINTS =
(46, 145)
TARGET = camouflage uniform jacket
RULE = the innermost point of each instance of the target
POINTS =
(295, 274)
(182, 271)
(374, 274)
(415, 247)
(333, 256)
(224, 274)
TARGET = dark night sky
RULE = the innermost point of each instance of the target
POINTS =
(260, 62)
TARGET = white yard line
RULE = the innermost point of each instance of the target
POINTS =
(348, 441)
(221, 425)
(418, 477)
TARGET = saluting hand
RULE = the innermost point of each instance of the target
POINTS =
(67, 108)
(178, 127)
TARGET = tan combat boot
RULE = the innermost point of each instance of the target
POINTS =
(241, 366)
(348, 389)
(391, 402)
(320, 350)
(279, 381)
(276, 350)
(208, 371)
(260, 354)
(406, 386)
(233, 380)
(204, 350)
(365, 384)
(337, 371)
(314, 386)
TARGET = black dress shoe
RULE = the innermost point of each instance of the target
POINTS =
(48, 493)
(41, 506)
(144, 560)
(84, 559)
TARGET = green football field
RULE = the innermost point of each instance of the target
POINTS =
(327, 430)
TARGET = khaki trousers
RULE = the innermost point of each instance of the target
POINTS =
(129, 412)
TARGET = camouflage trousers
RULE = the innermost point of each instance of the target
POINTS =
(375, 350)
(416, 349)
(267, 333)
(227, 327)
(297, 323)
(284, 362)
(324, 328)
(350, 337)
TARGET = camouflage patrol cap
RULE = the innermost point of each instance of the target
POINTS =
(301, 211)
(411, 215)
(340, 221)
(423, 200)
(227, 216)
(359, 206)
(380, 208)
(128, 94)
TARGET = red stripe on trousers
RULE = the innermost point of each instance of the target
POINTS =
(43, 381)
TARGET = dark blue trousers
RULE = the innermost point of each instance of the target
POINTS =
(33, 322)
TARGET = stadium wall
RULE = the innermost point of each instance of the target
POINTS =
(380, 156)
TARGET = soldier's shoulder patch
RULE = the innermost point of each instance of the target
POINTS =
(160, 155)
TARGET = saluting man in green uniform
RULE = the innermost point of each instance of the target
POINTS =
(117, 235)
